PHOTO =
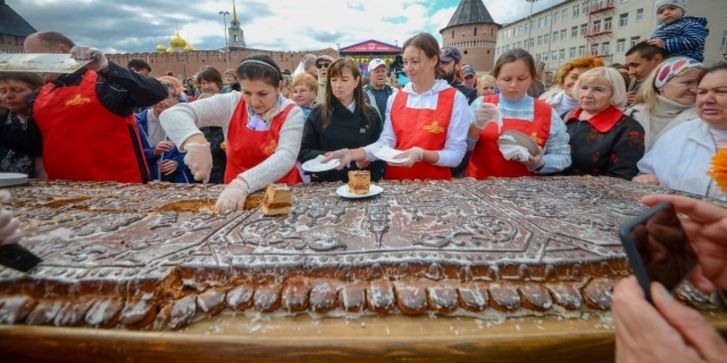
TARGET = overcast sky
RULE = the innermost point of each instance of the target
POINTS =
(139, 25)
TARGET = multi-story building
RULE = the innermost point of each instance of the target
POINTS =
(13, 30)
(604, 28)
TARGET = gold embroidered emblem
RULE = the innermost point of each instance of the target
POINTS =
(270, 149)
(223, 145)
(434, 128)
(78, 100)
(535, 138)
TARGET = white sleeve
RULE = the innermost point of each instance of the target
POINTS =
(387, 137)
(283, 159)
(184, 120)
(456, 144)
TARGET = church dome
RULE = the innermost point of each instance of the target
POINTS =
(189, 48)
(160, 48)
(170, 50)
(178, 42)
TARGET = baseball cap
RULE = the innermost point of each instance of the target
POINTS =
(468, 71)
(449, 54)
(376, 63)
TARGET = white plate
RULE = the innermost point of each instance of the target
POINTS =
(315, 165)
(344, 192)
(9, 179)
(387, 154)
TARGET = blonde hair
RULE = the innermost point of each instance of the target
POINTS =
(487, 78)
(305, 79)
(607, 75)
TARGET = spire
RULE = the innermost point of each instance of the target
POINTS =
(234, 12)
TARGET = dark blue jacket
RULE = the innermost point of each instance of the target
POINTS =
(181, 175)
(684, 37)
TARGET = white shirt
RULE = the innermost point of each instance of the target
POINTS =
(456, 143)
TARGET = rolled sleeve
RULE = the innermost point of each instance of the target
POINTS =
(557, 149)
(456, 144)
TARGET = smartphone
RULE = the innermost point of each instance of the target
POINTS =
(657, 248)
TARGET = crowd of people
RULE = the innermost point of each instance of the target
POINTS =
(658, 119)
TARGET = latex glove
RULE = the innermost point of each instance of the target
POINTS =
(411, 156)
(162, 147)
(233, 197)
(646, 179)
(168, 166)
(9, 231)
(199, 160)
(98, 59)
(487, 113)
(343, 155)
(535, 162)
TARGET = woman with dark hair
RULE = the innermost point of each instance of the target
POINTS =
(426, 123)
(344, 120)
(17, 153)
(262, 132)
(514, 73)
(209, 82)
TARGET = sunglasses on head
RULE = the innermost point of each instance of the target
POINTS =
(323, 65)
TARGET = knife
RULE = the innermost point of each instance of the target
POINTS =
(42, 63)
(18, 257)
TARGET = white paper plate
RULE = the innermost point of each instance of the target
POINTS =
(344, 192)
(315, 166)
(387, 154)
(9, 179)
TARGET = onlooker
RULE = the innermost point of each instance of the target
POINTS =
(178, 87)
(486, 85)
(668, 331)
(470, 76)
(230, 82)
(286, 88)
(139, 66)
(344, 120)
(603, 140)
(677, 33)
(667, 100)
(681, 158)
(209, 80)
(560, 96)
(92, 107)
(449, 68)
(641, 59)
(322, 63)
(377, 91)
(309, 65)
(19, 153)
(305, 88)
(210, 84)
(538, 86)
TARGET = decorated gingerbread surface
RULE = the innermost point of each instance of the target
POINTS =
(156, 256)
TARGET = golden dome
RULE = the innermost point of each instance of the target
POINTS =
(178, 42)
(160, 48)
(170, 50)
(189, 48)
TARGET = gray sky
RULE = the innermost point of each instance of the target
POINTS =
(139, 25)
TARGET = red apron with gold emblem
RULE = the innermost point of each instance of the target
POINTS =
(425, 128)
(487, 160)
(246, 148)
(82, 140)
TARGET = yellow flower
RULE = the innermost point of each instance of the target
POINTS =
(719, 169)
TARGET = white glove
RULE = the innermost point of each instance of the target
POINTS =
(536, 161)
(233, 197)
(9, 231)
(487, 113)
(96, 56)
(343, 155)
(410, 156)
(199, 160)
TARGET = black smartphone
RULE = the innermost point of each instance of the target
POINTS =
(657, 248)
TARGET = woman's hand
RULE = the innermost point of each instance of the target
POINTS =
(344, 157)
(163, 147)
(487, 113)
(665, 332)
(198, 159)
(537, 160)
(9, 226)
(646, 179)
(233, 197)
(410, 156)
(168, 166)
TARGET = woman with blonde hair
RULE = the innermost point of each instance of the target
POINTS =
(305, 92)
(667, 98)
(560, 95)
(343, 120)
(603, 140)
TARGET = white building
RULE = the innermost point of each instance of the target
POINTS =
(605, 28)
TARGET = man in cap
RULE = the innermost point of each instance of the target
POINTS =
(449, 64)
(322, 63)
(377, 91)
(470, 76)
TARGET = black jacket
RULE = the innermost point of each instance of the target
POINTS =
(346, 130)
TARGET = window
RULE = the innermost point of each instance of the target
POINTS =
(623, 20)
(540, 39)
(574, 32)
(564, 14)
(563, 34)
(546, 38)
(581, 50)
(606, 48)
(546, 21)
(556, 17)
(475, 31)
(561, 54)
(584, 29)
(554, 55)
(621, 46)
(452, 34)
(576, 10)
(724, 40)
(607, 23)
(584, 8)
(540, 22)
(639, 15)
(572, 52)
(634, 41)
(596, 26)
(545, 56)
(532, 42)
(555, 37)
(594, 49)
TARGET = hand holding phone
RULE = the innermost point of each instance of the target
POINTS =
(658, 248)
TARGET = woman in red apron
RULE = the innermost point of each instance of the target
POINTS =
(262, 129)
(514, 73)
(426, 122)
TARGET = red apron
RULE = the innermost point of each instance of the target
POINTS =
(425, 128)
(487, 160)
(82, 140)
(246, 148)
